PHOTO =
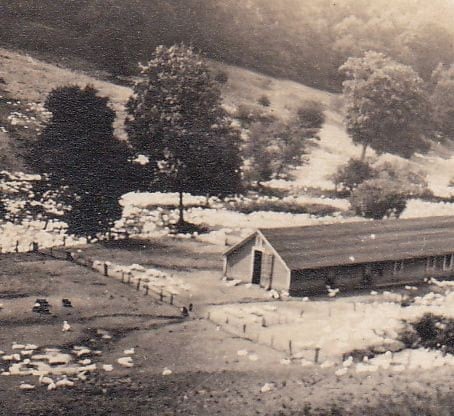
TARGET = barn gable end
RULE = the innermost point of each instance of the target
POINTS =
(255, 260)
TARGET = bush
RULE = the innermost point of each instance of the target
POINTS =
(247, 207)
(351, 175)
(413, 183)
(435, 332)
(264, 100)
(378, 198)
(426, 327)
(221, 77)
(311, 114)
(249, 114)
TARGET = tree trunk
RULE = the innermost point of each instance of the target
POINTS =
(180, 208)
(363, 152)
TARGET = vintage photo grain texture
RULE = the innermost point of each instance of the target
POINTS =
(227, 207)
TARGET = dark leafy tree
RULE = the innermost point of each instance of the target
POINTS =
(387, 106)
(177, 121)
(81, 159)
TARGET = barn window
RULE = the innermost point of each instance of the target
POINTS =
(448, 262)
(330, 279)
(431, 263)
(398, 267)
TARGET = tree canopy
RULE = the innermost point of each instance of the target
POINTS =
(387, 105)
(81, 159)
(176, 120)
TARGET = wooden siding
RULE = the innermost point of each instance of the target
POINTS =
(370, 275)
(239, 262)
(315, 247)
(274, 273)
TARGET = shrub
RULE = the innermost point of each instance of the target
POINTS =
(247, 207)
(221, 77)
(351, 175)
(311, 114)
(264, 100)
(430, 331)
(413, 183)
(249, 114)
(378, 198)
(426, 327)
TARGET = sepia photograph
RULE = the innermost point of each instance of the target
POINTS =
(227, 207)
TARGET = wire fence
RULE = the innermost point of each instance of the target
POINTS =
(257, 330)
(134, 279)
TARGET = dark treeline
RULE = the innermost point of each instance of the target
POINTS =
(304, 40)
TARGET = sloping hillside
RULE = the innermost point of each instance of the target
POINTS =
(30, 80)
(301, 40)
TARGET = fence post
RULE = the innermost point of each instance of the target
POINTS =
(64, 241)
(244, 328)
(317, 353)
(35, 247)
(122, 276)
(146, 290)
(106, 269)
(290, 347)
(161, 296)
(17, 246)
(171, 298)
(138, 283)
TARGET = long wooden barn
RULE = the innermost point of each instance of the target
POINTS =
(305, 260)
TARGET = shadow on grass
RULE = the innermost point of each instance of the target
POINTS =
(132, 244)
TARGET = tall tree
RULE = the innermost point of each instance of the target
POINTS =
(82, 160)
(177, 121)
(387, 105)
(442, 99)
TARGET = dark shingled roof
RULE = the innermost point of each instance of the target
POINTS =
(362, 242)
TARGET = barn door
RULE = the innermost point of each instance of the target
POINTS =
(267, 271)
(257, 267)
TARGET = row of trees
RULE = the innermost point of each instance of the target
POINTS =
(175, 122)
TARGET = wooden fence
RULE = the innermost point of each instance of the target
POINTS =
(135, 280)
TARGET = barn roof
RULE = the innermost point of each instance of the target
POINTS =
(361, 242)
